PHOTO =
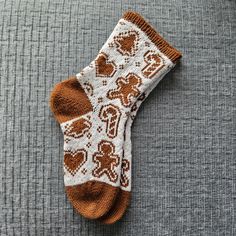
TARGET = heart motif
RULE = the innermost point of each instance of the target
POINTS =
(74, 160)
(104, 67)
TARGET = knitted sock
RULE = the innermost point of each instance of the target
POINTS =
(93, 113)
(122, 201)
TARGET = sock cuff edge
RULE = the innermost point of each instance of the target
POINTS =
(172, 53)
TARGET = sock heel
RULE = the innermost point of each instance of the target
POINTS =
(69, 100)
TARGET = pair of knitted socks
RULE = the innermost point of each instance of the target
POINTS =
(96, 109)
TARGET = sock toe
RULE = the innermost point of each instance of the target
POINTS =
(92, 199)
(118, 209)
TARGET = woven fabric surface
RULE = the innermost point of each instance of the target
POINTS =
(183, 139)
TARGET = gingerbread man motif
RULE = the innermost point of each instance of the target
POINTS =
(106, 160)
(127, 88)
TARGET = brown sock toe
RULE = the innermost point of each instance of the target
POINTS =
(92, 199)
(118, 209)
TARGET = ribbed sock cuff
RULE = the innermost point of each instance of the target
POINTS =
(172, 53)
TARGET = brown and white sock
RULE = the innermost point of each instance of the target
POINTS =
(122, 201)
(94, 112)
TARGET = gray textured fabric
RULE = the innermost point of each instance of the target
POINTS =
(184, 137)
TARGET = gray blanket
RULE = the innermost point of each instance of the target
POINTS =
(183, 139)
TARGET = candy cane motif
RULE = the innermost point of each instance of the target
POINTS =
(111, 115)
(154, 63)
(125, 166)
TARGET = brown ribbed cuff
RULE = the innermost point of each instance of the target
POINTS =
(172, 53)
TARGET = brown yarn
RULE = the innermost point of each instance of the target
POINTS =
(69, 100)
